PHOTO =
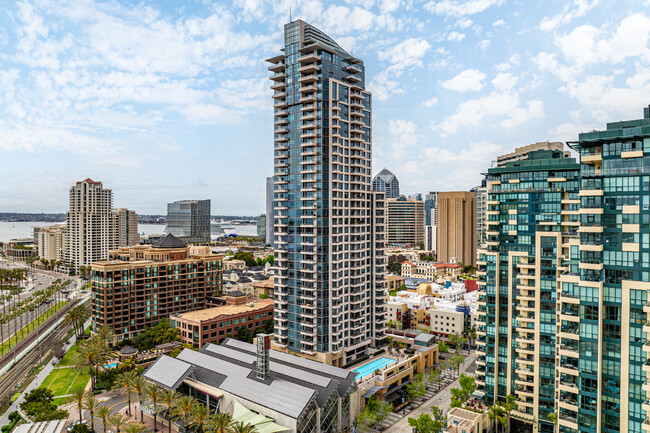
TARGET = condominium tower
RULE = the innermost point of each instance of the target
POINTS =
(456, 234)
(521, 153)
(189, 220)
(90, 224)
(603, 323)
(126, 225)
(386, 182)
(328, 223)
(405, 222)
(269, 211)
(532, 212)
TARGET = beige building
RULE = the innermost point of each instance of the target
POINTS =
(456, 237)
(51, 242)
(466, 421)
(234, 264)
(522, 152)
(430, 271)
(405, 221)
(126, 226)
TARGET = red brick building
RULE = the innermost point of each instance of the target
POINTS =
(213, 325)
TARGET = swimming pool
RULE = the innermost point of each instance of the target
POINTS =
(368, 369)
(113, 365)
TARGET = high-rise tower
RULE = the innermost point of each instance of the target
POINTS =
(386, 182)
(189, 220)
(328, 223)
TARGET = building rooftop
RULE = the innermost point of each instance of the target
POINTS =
(291, 385)
(170, 241)
(225, 310)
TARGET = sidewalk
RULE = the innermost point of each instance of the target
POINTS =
(38, 380)
(442, 400)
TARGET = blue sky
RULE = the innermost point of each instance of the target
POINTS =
(163, 103)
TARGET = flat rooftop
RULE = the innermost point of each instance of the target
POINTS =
(224, 310)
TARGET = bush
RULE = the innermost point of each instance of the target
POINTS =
(39, 404)
(14, 418)
(80, 428)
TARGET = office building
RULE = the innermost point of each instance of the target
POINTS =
(90, 224)
(532, 213)
(189, 220)
(51, 242)
(126, 226)
(328, 223)
(603, 319)
(261, 227)
(405, 221)
(139, 285)
(522, 153)
(269, 211)
(386, 182)
(430, 220)
(271, 390)
(456, 234)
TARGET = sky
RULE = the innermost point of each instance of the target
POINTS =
(167, 100)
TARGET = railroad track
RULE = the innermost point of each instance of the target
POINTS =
(17, 374)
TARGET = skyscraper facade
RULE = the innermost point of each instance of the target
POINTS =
(456, 234)
(405, 225)
(481, 214)
(531, 215)
(328, 227)
(126, 226)
(386, 182)
(90, 224)
(189, 220)
(603, 322)
(269, 211)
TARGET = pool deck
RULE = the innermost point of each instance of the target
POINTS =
(370, 361)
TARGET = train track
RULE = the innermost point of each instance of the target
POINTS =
(14, 378)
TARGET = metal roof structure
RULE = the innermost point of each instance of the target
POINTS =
(55, 426)
(292, 384)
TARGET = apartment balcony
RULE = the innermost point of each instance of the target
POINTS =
(311, 57)
(568, 369)
(280, 76)
(281, 121)
(307, 98)
(567, 421)
(568, 387)
(646, 308)
(646, 405)
(279, 95)
(278, 67)
(354, 69)
(646, 425)
(308, 78)
(646, 366)
(308, 107)
(353, 79)
(646, 386)
(646, 327)
(281, 104)
(572, 352)
(309, 88)
(312, 67)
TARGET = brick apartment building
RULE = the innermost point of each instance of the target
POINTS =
(137, 286)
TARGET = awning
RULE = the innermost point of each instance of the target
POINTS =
(261, 423)
(373, 390)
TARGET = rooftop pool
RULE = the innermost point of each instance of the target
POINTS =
(368, 369)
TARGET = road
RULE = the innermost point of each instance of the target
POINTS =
(442, 400)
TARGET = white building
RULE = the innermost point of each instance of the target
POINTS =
(51, 242)
(126, 225)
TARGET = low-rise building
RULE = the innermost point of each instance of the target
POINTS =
(20, 249)
(466, 421)
(214, 325)
(394, 282)
(262, 289)
(234, 264)
(273, 391)
(430, 270)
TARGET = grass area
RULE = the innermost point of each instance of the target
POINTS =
(71, 356)
(59, 401)
(63, 381)
(31, 327)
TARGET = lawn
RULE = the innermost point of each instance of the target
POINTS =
(71, 356)
(63, 381)
(30, 328)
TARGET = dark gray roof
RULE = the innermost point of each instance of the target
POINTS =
(170, 241)
(128, 350)
(385, 175)
(236, 293)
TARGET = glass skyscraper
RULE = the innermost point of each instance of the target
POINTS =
(386, 182)
(328, 223)
(189, 220)
(531, 213)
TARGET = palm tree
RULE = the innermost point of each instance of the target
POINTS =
(221, 423)
(508, 406)
(496, 415)
(124, 382)
(79, 398)
(139, 385)
(183, 409)
(91, 405)
(106, 335)
(117, 421)
(240, 427)
(103, 412)
(201, 417)
(136, 427)
(153, 394)
(92, 355)
(168, 400)
(553, 418)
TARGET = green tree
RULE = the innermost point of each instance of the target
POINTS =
(220, 423)
(92, 354)
(139, 386)
(382, 411)
(462, 394)
(153, 394)
(39, 404)
(426, 423)
(103, 413)
(118, 422)
(183, 409)
(456, 362)
(134, 427)
(508, 406)
(79, 398)
(497, 415)
(201, 418)
(394, 268)
(91, 404)
(442, 347)
(168, 400)
(124, 382)
(240, 427)
(416, 388)
(246, 256)
(454, 340)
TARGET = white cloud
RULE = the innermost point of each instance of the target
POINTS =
(406, 54)
(504, 82)
(569, 131)
(580, 9)
(388, 6)
(498, 23)
(464, 22)
(469, 79)
(484, 44)
(459, 7)
(455, 36)
(383, 87)
(430, 102)
(403, 136)
(504, 106)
